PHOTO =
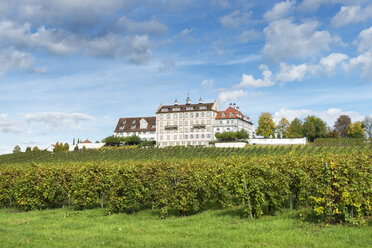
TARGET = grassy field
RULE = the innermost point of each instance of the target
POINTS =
(212, 228)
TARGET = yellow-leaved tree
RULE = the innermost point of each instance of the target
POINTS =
(266, 125)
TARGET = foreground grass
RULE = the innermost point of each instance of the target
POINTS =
(213, 228)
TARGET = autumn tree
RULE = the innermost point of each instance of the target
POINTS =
(16, 149)
(35, 149)
(342, 125)
(314, 127)
(282, 128)
(355, 130)
(295, 129)
(367, 123)
(266, 125)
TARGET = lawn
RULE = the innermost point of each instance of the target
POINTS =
(212, 228)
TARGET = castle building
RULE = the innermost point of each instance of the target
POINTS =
(143, 127)
(185, 124)
(232, 120)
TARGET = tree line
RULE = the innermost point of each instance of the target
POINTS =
(313, 127)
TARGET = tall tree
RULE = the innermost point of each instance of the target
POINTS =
(367, 123)
(295, 130)
(282, 128)
(342, 125)
(314, 127)
(355, 130)
(266, 125)
(16, 149)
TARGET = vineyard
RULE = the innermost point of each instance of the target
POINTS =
(124, 154)
(332, 185)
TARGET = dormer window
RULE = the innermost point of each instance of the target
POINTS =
(223, 114)
(189, 108)
(132, 127)
(176, 109)
(231, 114)
(121, 127)
(202, 107)
(133, 122)
(153, 126)
(164, 110)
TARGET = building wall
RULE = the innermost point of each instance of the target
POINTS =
(233, 125)
(297, 141)
(145, 135)
(182, 128)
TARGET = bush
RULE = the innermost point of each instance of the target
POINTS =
(232, 136)
(340, 142)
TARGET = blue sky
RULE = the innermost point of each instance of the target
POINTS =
(72, 68)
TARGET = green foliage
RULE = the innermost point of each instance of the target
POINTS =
(355, 130)
(28, 149)
(339, 192)
(314, 128)
(342, 125)
(35, 149)
(147, 143)
(117, 141)
(266, 125)
(283, 128)
(232, 136)
(16, 149)
(60, 147)
(295, 129)
(339, 142)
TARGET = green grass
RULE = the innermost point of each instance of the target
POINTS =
(213, 228)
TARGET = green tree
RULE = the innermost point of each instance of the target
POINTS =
(28, 149)
(332, 133)
(314, 127)
(266, 125)
(367, 123)
(295, 129)
(283, 128)
(132, 140)
(16, 149)
(242, 134)
(35, 149)
(355, 130)
(342, 125)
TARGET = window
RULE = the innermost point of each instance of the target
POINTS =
(202, 122)
(197, 136)
(231, 114)
(186, 123)
(161, 137)
(175, 116)
(175, 123)
(121, 127)
(180, 122)
(189, 108)
(208, 136)
(153, 126)
(185, 115)
(168, 123)
(223, 114)
(191, 122)
(161, 116)
(168, 137)
(168, 116)
(186, 137)
(208, 122)
(218, 129)
(197, 122)
(208, 114)
(196, 114)
(203, 107)
(133, 127)
(202, 114)
(161, 124)
(191, 130)
(161, 130)
(191, 115)
(228, 129)
(176, 109)
(175, 137)
(221, 122)
(202, 136)
(186, 130)
(191, 136)
(164, 110)
(208, 129)
(180, 137)
(227, 121)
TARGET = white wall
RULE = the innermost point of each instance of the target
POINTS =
(231, 144)
(87, 146)
(297, 141)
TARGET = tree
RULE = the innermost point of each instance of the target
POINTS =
(132, 140)
(282, 128)
(367, 123)
(314, 127)
(28, 149)
(16, 149)
(73, 142)
(295, 129)
(342, 125)
(355, 130)
(332, 133)
(266, 125)
(35, 149)
(242, 134)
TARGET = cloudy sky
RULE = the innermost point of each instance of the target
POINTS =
(72, 68)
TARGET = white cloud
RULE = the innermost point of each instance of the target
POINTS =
(249, 81)
(53, 120)
(248, 35)
(144, 27)
(285, 39)
(329, 116)
(207, 83)
(290, 73)
(235, 19)
(231, 95)
(63, 43)
(7, 126)
(11, 59)
(223, 4)
(313, 5)
(364, 40)
(352, 14)
(186, 31)
(364, 63)
(279, 11)
(328, 64)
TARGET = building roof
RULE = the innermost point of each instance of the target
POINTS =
(232, 113)
(86, 141)
(133, 124)
(163, 109)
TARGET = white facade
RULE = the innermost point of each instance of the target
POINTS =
(143, 127)
(144, 135)
(185, 125)
(295, 141)
(233, 125)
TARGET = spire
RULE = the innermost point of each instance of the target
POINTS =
(188, 101)
(175, 102)
(200, 100)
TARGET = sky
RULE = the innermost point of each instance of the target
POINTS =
(69, 69)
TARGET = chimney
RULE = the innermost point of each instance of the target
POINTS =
(230, 104)
(188, 101)
(237, 108)
(200, 100)
(176, 103)
(234, 106)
